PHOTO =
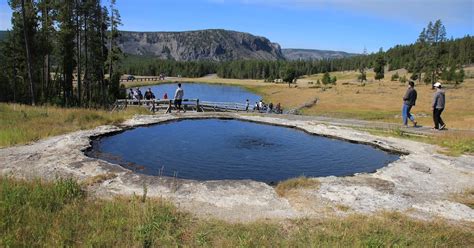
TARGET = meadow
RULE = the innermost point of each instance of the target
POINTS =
(61, 213)
(20, 124)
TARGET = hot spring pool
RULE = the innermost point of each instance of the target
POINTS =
(215, 149)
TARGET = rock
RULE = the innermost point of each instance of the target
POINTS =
(421, 168)
(211, 44)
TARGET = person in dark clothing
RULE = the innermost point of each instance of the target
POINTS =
(149, 95)
(409, 100)
(139, 94)
(439, 103)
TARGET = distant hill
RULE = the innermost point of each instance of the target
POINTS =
(309, 54)
(211, 44)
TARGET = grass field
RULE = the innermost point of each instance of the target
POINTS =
(371, 100)
(20, 124)
(61, 214)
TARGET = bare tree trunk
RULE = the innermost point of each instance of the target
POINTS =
(28, 55)
(86, 76)
(78, 47)
(102, 81)
(111, 43)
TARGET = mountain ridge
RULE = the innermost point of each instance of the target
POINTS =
(212, 45)
(208, 44)
(314, 54)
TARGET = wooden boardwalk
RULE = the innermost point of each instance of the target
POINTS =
(167, 105)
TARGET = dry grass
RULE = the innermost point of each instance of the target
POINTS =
(20, 124)
(372, 100)
(283, 188)
(381, 101)
(452, 143)
(466, 197)
(98, 179)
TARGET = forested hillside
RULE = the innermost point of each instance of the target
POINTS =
(313, 54)
(51, 43)
(432, 55)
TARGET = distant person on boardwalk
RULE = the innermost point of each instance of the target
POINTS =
(439, 102)
(409, 100)
(139, 94)
(165, 96)
(270, 107)
(178, 98)
(278, 109)
(247, 105)
(149, 94)
(261, 105)
(131, 94)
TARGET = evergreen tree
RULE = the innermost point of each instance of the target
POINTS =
(66, 49)
(362, 76)
(289, 76)
(326, 78)
(379, 68)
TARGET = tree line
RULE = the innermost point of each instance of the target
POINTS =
(61, 52)
(432, 56)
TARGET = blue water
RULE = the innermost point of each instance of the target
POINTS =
(213, 149)
(205, 92)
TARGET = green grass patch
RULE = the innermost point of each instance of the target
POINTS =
(20, 124)
(60, 213)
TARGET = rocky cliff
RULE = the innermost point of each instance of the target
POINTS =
(212, 44)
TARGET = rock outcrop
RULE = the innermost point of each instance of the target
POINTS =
(211, 44)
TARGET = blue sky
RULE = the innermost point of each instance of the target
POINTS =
(343, 25)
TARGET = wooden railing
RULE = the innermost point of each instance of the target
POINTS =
(139, 79)
(187, 104)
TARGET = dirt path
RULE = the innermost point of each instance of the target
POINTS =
(421, 183)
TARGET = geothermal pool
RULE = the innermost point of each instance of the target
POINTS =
(215, 149)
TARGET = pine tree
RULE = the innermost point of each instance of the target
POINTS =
(379, 67)
(362, 76)
(66, 49)
(27, 36)
(326, 78)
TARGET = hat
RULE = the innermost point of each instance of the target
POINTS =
(437, 85)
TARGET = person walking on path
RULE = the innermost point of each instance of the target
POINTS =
(247, 104)
(409, 100)
(439, 103)
(178, 98)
